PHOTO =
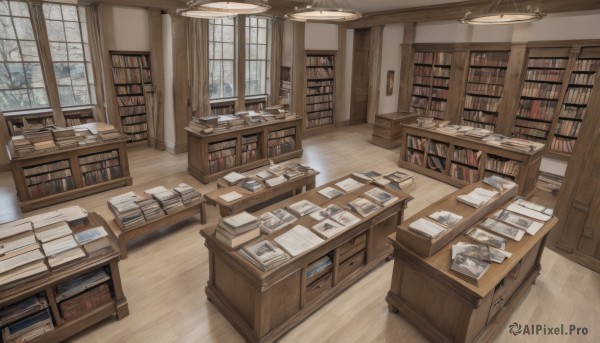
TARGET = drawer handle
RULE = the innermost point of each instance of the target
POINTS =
(352, 263)
(319, 286)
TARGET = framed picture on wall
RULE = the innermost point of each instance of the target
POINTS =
(389, 89)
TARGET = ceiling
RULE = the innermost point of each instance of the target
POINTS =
(367, 6)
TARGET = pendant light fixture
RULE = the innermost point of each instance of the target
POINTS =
(200, 14)
(492, 16)
(230, 7)
(324, 10)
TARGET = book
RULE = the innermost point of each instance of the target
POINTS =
(345, 218)
(187, 193)
(426, 228)
(46, 219)
(15, 228)
(269, 222)
(52, 232)
(98, 246)
(302, 208)
(65, 258)
(28, 270)
(233, 241)
(486, 238)
(234, 178)
(29, 327)
(328, 228)
(400, 178)
(477, 197)
(497, 255)
(74, 213)
(275, 181)
(532, 206)
(470, 267)
(238, 223)
(478, 251)
(330, 192)
(20, 260)
(59, 245)
(499, 183)
(265, 174)
(264, 255)
(80, 284)
(348, 185)
(326, 212)
(528, 225)
(380, 196)
(90, 235)
(251, 185)
(363, 207)
(17, 310)
(318, 266)
(503, 229)
(85, 302)
(298, 240)
(17, 242)
(446, 218)
(528, 212)
(367, 176)
(231, 196)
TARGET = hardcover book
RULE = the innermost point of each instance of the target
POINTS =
(298, 240)
(328, 228)
(503, 229)
(426, 228)
(380, 196)
(446, 218)
(470, 267)
(487, 238)
(528, 225)
(363, 207)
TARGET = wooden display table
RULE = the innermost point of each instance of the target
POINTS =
(387, 129)
(51, 178)
(245, 148)
(262, 306)
(449, 308)
(448, 149)
(264, 194)
(47, 283)
(177, 215)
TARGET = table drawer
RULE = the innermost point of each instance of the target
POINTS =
(353, 264)
(318, 287)
(380, 132)
(352, 246)
(383, 123)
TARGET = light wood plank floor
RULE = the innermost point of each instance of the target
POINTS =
(165, 274)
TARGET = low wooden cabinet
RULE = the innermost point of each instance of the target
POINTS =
(249, 147)
(262, 306)
(448, 308)
(387, 129)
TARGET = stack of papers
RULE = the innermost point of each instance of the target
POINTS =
(477, 197)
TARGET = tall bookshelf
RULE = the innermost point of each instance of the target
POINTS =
(320, 84)
(484, 88)
(575, 102)
(540, 94)
(431, 83)
(133, 87)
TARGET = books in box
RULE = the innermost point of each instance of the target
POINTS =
(80, 284)
(85, 302)
(298, 240)
(264, 255)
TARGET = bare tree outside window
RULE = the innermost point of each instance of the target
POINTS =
(21, 79)
(221, 58)
(257, 55)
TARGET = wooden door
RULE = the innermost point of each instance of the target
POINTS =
(360, 77)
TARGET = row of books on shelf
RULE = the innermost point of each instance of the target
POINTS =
(478, 125)
(249, 155)
(126, 61)
(549, 182)
(222, 145)
(74, 121)
(439, 149)
(541, 90)
(436, 163)
(437, 58)
(441, 72)
(36, 245)
(545, 75)
(134, 137)
(221, 153)
(132, 210)
(491, 59)
(135, 128)
(134, 119)
(50, 187)
(482, 103)
(280, 146)
(467, 156)
(217, 165)
(132, 110)
(557, 63)
(464, 173)
(438, 105)
(586, 65)
(40, 178)
(503, 166)
(319, 90)
(419, 102)
(423, 80)
(484, 89)
(282, 133)
(424, 71)
(561, 144)
(98, 157)
(439, 93)
(421, 90)
(101, 175)
(130, 100)
(319, 107)
(533, 124)
(480, 116)
(537, 109)
(577, 95)
(328, 114)
(46, 168)
(319, 61)
(319, 83)
(568, 128)
(527, 132)
(129, 89)
(319, 73)
(582, 79)
(327, 120)
(488, 76)
(132, 76)
(16, 125)
(113, 162)
(319, 98)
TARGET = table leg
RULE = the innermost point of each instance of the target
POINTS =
(203, 213)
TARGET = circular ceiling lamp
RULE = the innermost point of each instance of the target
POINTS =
(491, 15)
(231, 7)
(324, 10)
(200, 14)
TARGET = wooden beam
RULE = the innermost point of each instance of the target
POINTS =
(181, 91)
(406, 69)
(375, 56)
(457, 10)
(107, 36)
(157, 135)
(298, 68)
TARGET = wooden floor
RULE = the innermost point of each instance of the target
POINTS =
(165, 274)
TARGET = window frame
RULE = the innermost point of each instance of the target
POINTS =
(212, 47)
(265, 91)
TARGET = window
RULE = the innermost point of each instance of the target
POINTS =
(21, 78)
(221, 58)
(257, 55)
(67, 34)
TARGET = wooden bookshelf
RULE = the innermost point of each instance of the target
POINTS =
(133, 88)
(15, 120)
(427, 293)
(459, 160)
(431, 83)
(46, 286)
(279, 299)
(45, 179)
(79, 115)
(214, 155)
(320, 87)
(227, 106)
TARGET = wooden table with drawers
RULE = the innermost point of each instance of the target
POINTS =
(387, 129)
(262, 306)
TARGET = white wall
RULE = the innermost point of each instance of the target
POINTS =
(392, 38)
(348, 71)
(132, 31)
(321, 36)
(570, 25)
(455, 32)
(167, 31)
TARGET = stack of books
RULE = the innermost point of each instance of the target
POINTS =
(549, 182)
(471, 261)
(20, 254)
(44, 147)
(234, 178)
(237, 229)
(22, 146)
(187, 193)
(150, 209)
(108, 132)
(65, 137)
(17, 310)
(127, 213)
(477, 197)
(270, 222)
(204, 124)
(236, 121)
(94, 241)
(251, 185)
(168, 199)
(425, 122)
(252, 118)
(28, 328)
(265, 255)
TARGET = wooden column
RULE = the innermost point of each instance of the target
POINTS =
(511, 94)
(458, 85)
(340, 77)
(374, 72)
(298, 70)
(406, 70)
(39, 29)
(240, 72)
(181, 91)
(4, 138)
(107, 37)
(157, 124)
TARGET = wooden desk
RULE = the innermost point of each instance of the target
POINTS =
(387, 129)
(46, 283)
(177, 215)
(262, 306)
(448, 308)
(264, 194)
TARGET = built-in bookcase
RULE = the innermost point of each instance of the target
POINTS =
(431, 83)
(320, 84)
(484, 88)
(132, 78)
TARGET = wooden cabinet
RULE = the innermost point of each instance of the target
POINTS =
(215, 155)
(262, 306)
(66, 325)
(459, 160)
(51, 178)
(320, 87)
(387, 129)
(448, 308)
